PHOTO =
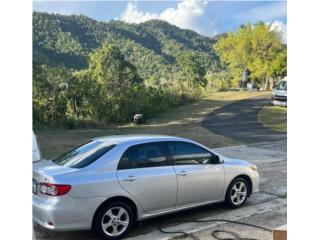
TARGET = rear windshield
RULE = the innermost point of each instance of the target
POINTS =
(83, 155)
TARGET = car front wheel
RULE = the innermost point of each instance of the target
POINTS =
(113, 221)
(237, 193)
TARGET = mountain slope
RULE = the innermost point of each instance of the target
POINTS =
(152, 46)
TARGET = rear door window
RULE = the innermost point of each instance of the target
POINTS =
(84, 155)
(144, 156)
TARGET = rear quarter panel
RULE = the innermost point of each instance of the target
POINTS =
(90, 184)
(97, 187)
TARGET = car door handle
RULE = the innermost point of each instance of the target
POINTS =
(130, 179)
(183, 173)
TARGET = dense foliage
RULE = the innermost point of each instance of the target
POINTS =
(109, 90)
(255, 48)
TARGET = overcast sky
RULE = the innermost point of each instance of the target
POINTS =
(205, 17)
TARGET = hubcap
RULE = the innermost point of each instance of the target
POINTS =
(115, 221)
(238, 193)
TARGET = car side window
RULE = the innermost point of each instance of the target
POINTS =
(184, 153)
(143, 156)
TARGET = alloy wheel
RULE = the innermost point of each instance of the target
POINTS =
(115, 221)
(238, 193)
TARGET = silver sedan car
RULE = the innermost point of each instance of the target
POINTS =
(109, 183)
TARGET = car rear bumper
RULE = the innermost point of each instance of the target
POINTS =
(65, 213)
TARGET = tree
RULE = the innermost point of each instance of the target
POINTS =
(192, 73)
(109, 68)
(81, 89)
(279, 65)
(49, 102)
(255, 48)
(113, 78)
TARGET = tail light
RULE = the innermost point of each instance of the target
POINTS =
(54, 189)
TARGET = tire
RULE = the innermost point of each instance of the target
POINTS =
(113, 221)
(237, 193)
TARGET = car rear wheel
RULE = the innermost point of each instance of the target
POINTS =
(237, 193)
(113, 221)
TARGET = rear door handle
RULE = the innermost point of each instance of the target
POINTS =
(130, 179)
(183, 173)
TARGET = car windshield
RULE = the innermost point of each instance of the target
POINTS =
(282, 86)
(84, 155)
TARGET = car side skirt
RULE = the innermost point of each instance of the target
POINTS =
(177, 209)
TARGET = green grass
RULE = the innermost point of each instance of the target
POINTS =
(184, 121)
(274, 117)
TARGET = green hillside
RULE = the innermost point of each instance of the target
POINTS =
(152, 47)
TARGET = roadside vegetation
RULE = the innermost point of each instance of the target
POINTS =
(274, 117)
(183, 121)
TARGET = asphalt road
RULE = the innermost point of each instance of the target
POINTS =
(238, 121)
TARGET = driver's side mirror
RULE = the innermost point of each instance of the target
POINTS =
(215, 159)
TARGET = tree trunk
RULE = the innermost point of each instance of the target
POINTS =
(75, 107)
(267, 85)
(272, 83)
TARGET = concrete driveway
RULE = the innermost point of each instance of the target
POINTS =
(271, 159)
(238, 121)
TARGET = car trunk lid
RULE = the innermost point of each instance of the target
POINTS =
(44, 172)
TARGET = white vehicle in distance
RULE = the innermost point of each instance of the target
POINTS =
(36, 156)
(109, 183)
(279, 95)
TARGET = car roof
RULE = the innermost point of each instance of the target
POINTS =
(137, 138)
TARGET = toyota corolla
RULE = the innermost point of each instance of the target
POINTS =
(109, 183)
